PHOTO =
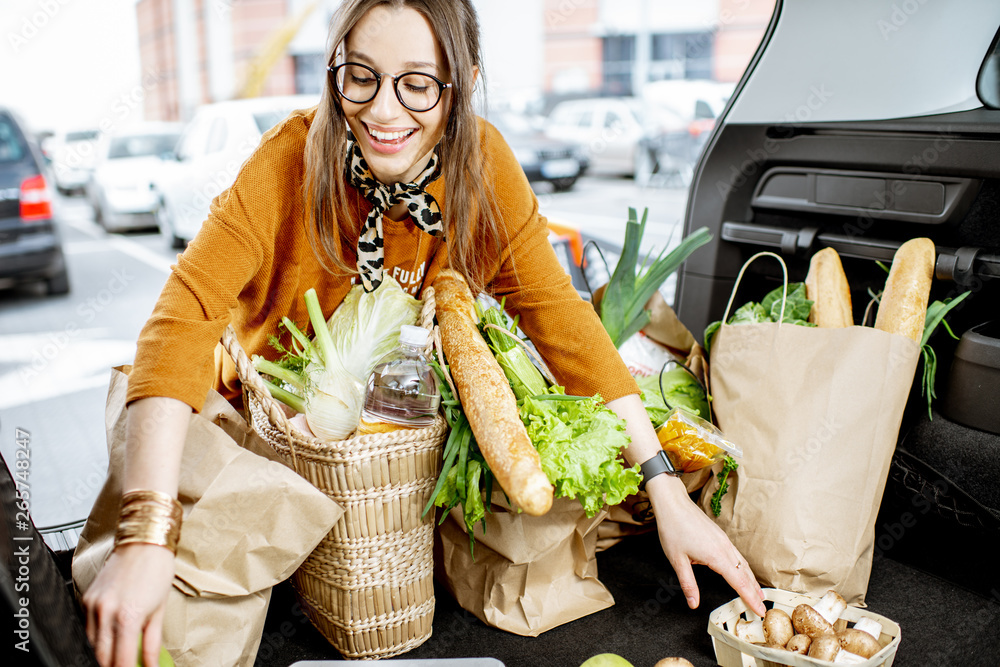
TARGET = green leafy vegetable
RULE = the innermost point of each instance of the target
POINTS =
(366, 324)
(623, 310)
(728, 465)
(681, 390)
(797, 308)
(579, 442)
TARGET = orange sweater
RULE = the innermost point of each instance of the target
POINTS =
(251, 263)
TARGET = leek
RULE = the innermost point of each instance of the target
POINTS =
(525, 379)
(623, 306)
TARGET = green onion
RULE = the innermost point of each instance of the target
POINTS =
(935, 316)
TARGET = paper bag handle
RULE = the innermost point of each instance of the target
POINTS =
(739, 278)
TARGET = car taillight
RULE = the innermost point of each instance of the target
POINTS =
(35, 201)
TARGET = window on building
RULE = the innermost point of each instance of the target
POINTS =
(309, 73)
(683, 55)
(618, 56)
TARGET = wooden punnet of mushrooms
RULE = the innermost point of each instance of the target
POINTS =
(812, 630)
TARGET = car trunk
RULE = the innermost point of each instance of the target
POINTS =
(846, 170)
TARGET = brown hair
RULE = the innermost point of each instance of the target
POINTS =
(468, 214)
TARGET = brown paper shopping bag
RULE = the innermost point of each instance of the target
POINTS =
(530, 574)
(817, 413)
(249, 522)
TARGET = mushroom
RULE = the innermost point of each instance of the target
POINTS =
(673, 662)
(751, 631)
(808, 621)
(824, 647)
(871, 626)
(858, 642)
(777, 627)
(831, 606)
(799, 644)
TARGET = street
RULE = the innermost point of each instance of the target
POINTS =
(56, 352)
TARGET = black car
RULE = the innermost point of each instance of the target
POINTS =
(543, 159)
(30, 247)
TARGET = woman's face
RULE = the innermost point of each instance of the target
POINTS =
(397, 143)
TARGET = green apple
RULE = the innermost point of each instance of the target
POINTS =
(606, 660)
(165, 659)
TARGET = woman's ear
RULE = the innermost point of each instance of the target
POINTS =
(475, 76)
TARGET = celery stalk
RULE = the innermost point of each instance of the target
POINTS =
(286, 375)
(321, 334)
(288, 398)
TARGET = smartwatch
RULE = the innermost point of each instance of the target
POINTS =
(657, 465)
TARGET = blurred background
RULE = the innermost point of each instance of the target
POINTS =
(121, 120)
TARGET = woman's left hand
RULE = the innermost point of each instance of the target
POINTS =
(689, 537)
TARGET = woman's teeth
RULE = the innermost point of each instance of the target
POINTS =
(389, 136)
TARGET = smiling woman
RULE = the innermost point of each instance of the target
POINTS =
(392, 174)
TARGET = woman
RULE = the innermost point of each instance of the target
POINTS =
(391, 175)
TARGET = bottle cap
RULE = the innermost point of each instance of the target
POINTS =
(410, 335)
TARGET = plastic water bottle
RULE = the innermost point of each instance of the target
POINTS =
(402, 389)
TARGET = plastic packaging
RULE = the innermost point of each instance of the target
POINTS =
(402, 389)
(693, 443)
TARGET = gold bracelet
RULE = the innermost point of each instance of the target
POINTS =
(149, 517)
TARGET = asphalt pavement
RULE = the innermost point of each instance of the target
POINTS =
(56, 352)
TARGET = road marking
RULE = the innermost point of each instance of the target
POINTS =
(82, 247)
(124, 246)
(56, 363)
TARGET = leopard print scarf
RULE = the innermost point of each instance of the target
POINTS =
(422, 207)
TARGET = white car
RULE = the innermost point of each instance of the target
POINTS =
(213, 147)
(623, 136)
(121, 186)
(72, 155)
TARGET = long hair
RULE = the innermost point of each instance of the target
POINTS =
(468, 214)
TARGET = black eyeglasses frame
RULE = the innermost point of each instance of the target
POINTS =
(333, 69)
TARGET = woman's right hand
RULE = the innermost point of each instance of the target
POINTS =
(127, 599)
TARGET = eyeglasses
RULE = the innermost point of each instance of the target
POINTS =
(360, 84)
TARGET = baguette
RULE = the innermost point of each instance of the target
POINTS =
(827, 288)
(488, 401)
(903, 307)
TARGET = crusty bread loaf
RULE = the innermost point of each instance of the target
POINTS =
(903, 307)
(487, 399)
(827, 288)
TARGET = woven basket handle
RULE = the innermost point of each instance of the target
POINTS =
(251, 379)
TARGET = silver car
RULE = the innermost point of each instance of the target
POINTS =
(213, 147)
(121, 186)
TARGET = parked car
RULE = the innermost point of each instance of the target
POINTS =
(30, 246)
(543, 159)
(72, 155)
(208, 157)
(121, 186)
(623, 136)
(697, 102)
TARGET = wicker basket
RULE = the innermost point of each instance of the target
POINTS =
(730, 651)
(368, 585)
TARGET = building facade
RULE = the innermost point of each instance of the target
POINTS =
(200, 51)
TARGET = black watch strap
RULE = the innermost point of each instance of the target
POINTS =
(657, 465)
